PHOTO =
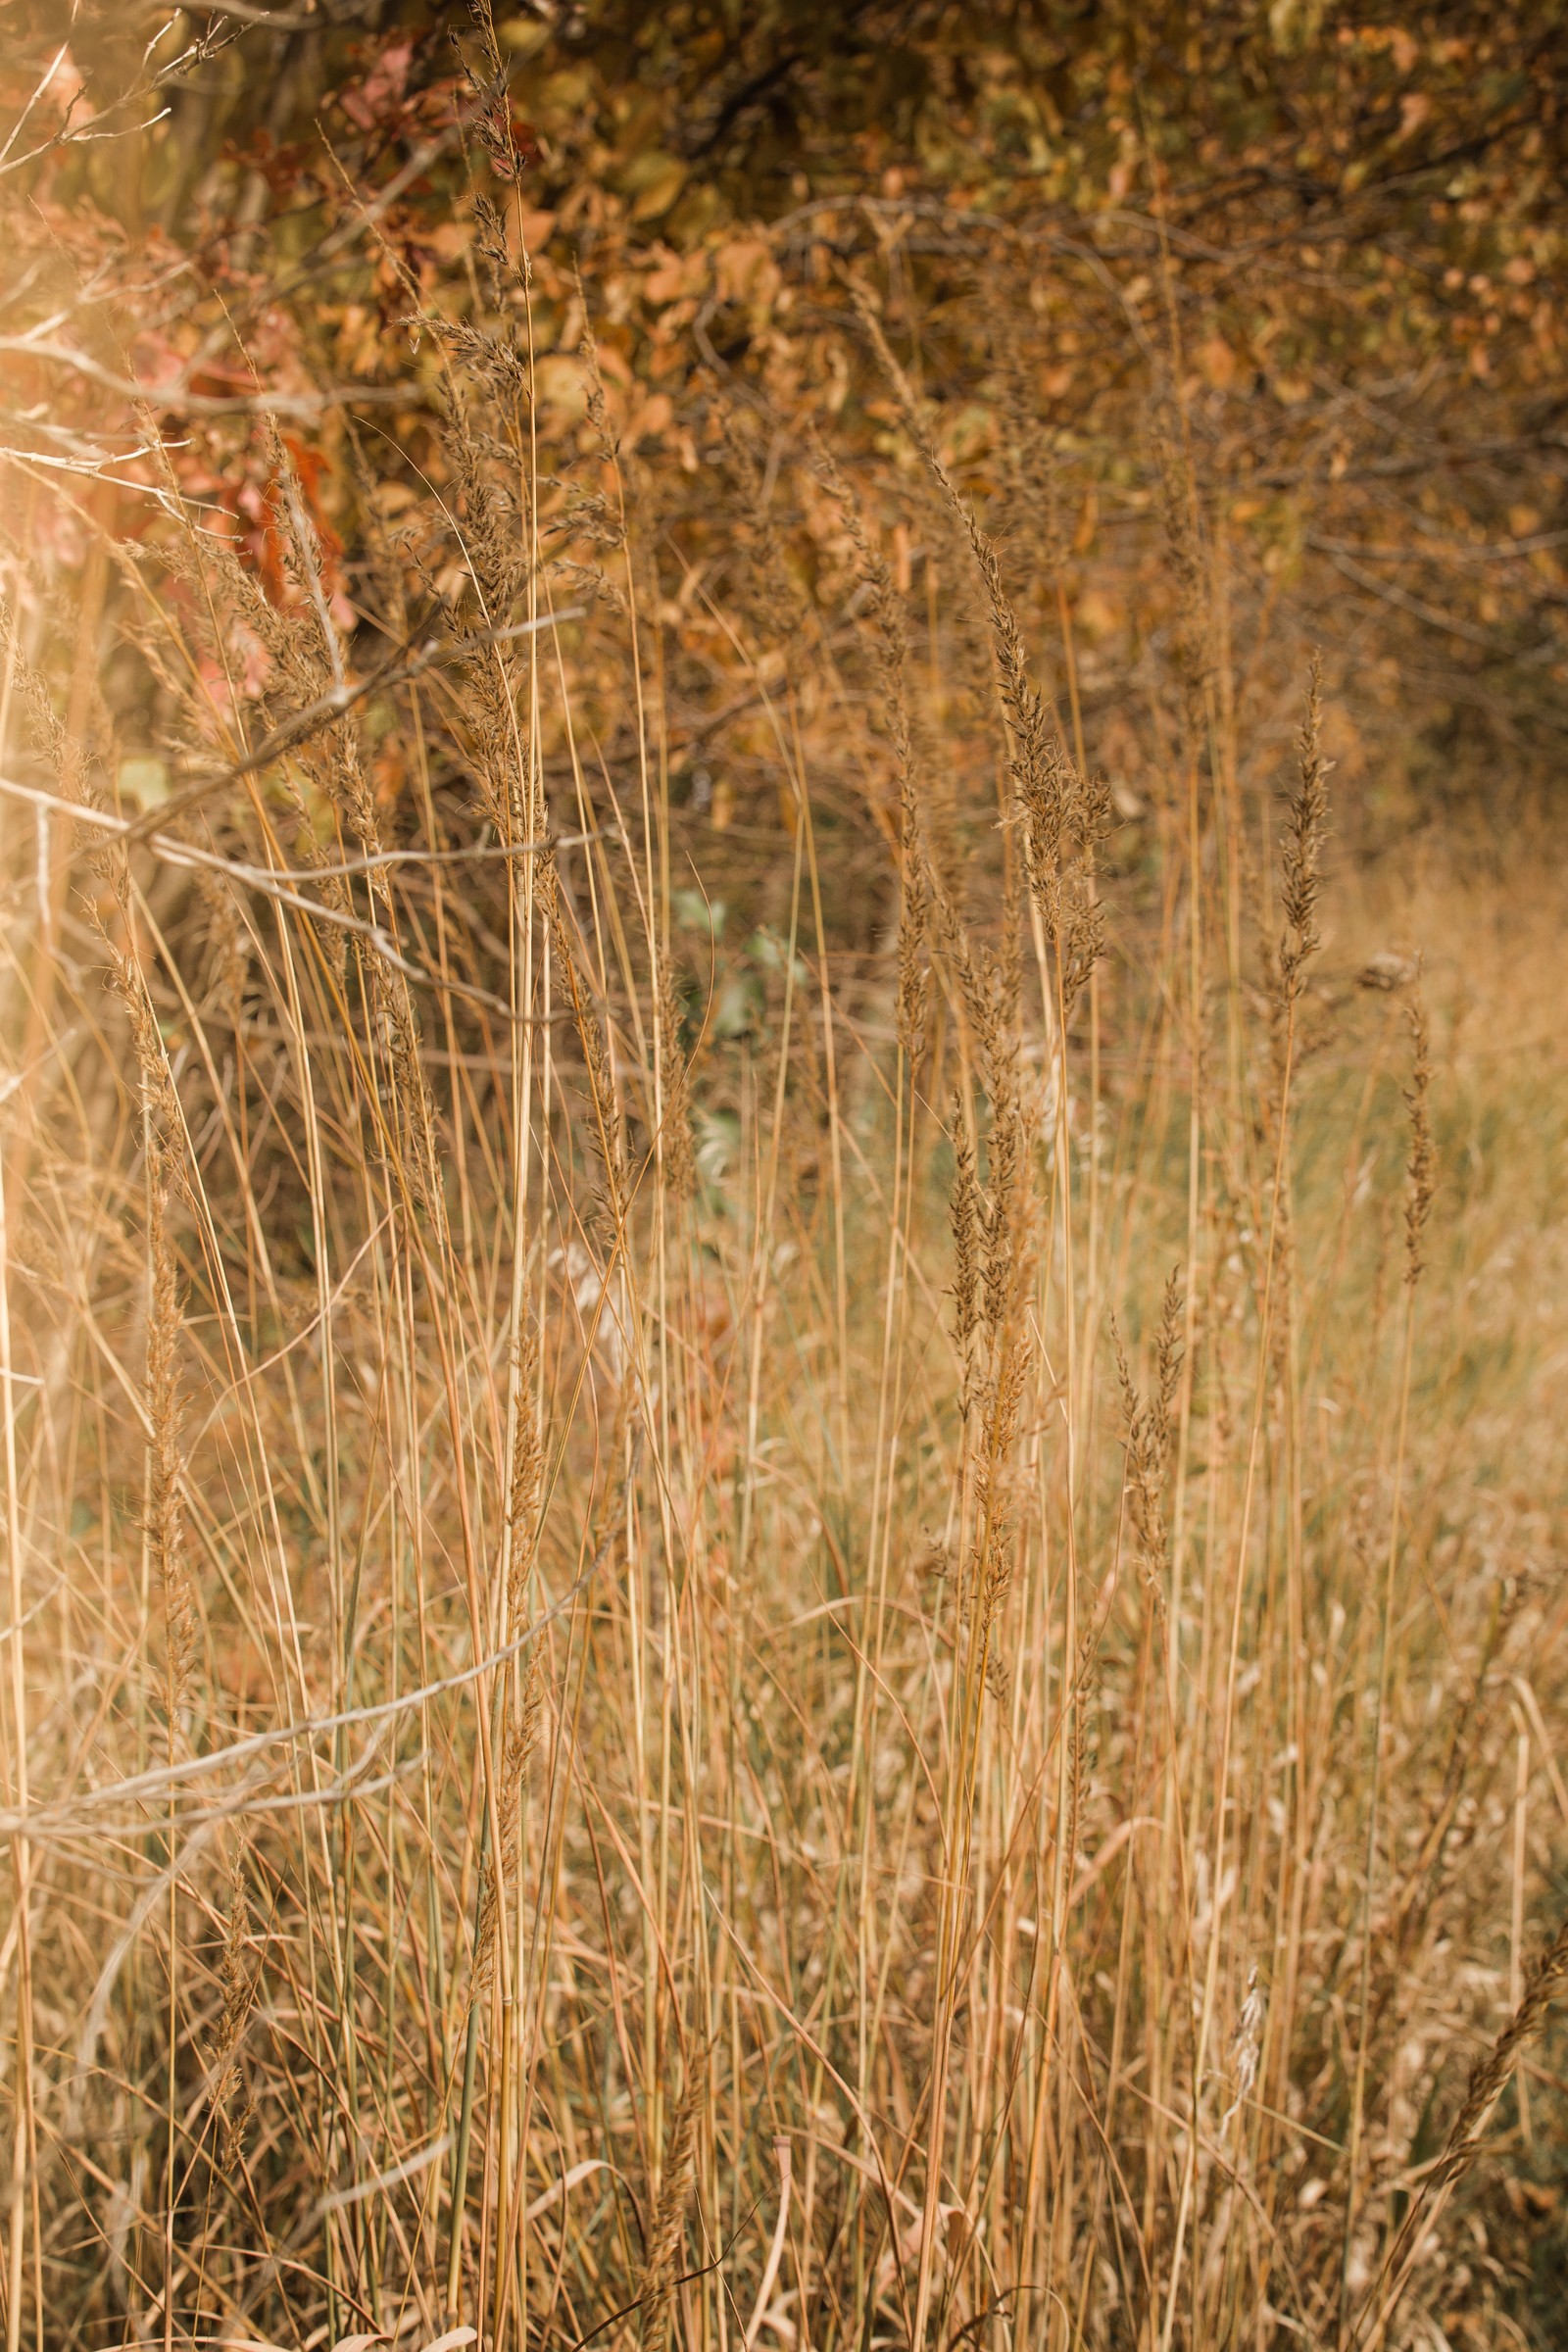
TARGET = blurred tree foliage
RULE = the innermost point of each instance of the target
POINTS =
(1301, 264)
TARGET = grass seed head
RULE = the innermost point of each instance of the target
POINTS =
(1421, 1170)
(677, 2177)
(1305, 830)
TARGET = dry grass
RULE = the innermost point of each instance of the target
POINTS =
(866, 1661)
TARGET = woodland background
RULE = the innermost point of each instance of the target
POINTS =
(1334, 234)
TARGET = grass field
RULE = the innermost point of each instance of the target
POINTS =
(748, 1637)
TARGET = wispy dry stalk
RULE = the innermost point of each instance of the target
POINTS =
(1063, 814)
(677, 2177)
(993, 1567)
(239, 1978)
(677, 1157)
(1149, 1432)
(1492, 2071)
(1419, 1181)
(915, 875)
(154, 1085)
(1188, 561)
(165, 1521)
(1084, 1687)
(1302, 852)
(165, 1510)
(64, 753)
(502, 1860)
(966, 1217)
(1003, 1260)
(1421, 1169)
(608, 1127)
(525, 1484)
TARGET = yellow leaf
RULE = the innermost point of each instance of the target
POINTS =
(653, 181)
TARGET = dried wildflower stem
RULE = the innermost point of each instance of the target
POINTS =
(1091, 1302)
(13, 1781)
(678, 2175)
(522, 1434)
(1516, 1919)
(1419, 1185)
(1060, 815)
(23, 2169)
(910, 1015)
(1302, 857)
